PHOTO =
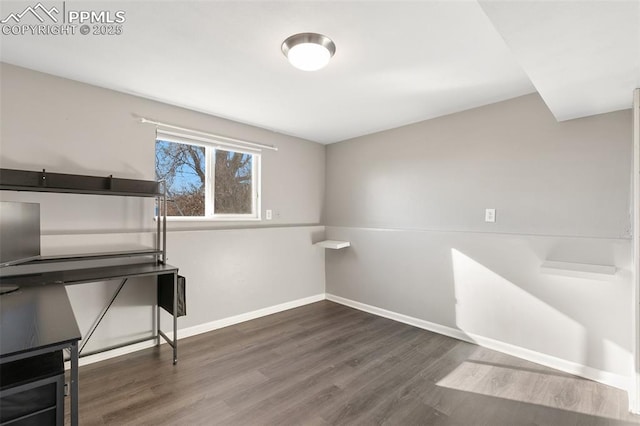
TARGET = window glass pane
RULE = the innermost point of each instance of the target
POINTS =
(233, 181)
(182, 166)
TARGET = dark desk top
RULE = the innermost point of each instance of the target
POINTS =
(87, 275)
(88, 271)
(35, 317)
(39, 314)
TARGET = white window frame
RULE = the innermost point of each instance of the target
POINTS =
(211, 146)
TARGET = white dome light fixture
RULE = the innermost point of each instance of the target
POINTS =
(308, 51)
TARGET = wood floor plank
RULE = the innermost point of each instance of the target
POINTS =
(327, 364)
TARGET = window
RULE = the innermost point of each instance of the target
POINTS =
(204, 181)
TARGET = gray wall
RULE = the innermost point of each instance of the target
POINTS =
(66, 126)
(543, 177)
(411, 201)
(70, 127)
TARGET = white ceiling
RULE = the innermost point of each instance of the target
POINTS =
(396, 62)
(583, 57)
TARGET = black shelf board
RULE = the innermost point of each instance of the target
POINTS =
(43, 181)
(91, 272)
(101, 255)
(89, 275)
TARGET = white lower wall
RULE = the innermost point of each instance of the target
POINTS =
(484, 288)
(489, 288)
(606, 377)
(201, 328)
(229, 273)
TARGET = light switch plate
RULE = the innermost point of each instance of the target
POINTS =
(490, 215)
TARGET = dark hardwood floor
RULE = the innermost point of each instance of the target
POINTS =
(329, 364)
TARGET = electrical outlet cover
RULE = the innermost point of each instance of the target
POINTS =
(490, 215)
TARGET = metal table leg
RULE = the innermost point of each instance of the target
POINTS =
(74, 384)
(173, 341)
(158, 336)
(175, 319)
(102, 314)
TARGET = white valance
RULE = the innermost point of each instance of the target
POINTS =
(171, 131)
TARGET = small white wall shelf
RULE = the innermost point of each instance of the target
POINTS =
(583, 270)
(333, 244)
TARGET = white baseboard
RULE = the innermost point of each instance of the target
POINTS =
(202, 328)
(90, 359)
(605, 377)
(236, 319)
(634, 404)
(601, 376)
(426, 325)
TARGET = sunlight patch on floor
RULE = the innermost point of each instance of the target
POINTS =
(548, 389)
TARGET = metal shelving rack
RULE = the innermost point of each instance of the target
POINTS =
(43, 181)
(40, 272)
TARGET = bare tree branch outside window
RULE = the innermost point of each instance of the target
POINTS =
(183, 167)
(233, 191)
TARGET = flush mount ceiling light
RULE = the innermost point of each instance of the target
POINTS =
(308, 51)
